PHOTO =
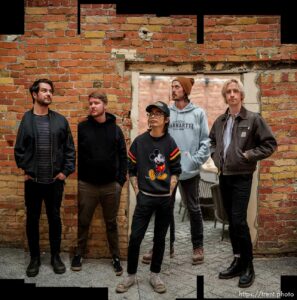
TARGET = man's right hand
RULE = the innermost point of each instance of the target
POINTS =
(27, 177)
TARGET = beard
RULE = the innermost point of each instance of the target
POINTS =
(44, 102)
(96, 114)
(176, 98)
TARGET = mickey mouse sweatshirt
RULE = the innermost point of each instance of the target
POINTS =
(154, 160)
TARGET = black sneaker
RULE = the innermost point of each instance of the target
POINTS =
(58, 265)
(33, 267)
(76, 263)
(117, 265)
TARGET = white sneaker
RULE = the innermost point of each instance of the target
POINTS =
(157, 283)
(124, 285)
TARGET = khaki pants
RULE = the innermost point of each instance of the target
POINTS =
(89, 195)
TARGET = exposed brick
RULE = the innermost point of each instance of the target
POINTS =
(79, 64)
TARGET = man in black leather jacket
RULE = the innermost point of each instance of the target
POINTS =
(44, 149)
(239, 138)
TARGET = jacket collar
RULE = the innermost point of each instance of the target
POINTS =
(242, 114)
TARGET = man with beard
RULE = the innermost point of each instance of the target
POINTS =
(189, 128)
(102, 168)
(45, 150)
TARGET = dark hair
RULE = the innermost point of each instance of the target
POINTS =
(166, 126)
(98, 95)
(34, 88)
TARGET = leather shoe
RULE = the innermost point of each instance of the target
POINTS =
(58, 265)
(233, 270)
(247, 277)
(33, 267)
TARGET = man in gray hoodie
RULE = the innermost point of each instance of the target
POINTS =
(189, 128)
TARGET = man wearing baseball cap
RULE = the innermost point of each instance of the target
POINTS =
(154, 167)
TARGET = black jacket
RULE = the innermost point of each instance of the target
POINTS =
(102, 153)
(62, 146)
(250, 134)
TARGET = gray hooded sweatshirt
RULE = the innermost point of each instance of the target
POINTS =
(189, 129)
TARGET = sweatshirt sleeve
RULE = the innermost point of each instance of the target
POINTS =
(201, 156)
(174, 158)
(132, 161)
(122, 153)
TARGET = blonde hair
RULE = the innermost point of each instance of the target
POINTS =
(239, 84)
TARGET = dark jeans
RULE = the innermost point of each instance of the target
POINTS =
(236, 190)
(145, 207)
(52, 195)
(89, 196)
(172, 222)
(189, 190)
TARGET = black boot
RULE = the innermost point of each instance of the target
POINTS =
(247, 277)
(233, 271)
(58, 265)
(33, 267)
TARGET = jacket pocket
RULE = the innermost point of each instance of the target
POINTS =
(243, 134)
(236, 161)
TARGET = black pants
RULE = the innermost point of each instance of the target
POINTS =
(236, 190)
(145, 207)
(52, 195)
(172, 221)
(189, 190)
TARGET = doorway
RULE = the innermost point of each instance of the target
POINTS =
(206, 93)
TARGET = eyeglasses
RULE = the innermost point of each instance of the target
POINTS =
(155, 114)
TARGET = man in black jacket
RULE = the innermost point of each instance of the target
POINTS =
(239, 138)
(102, 168)
(45, 150)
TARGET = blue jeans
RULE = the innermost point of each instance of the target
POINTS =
(145, 207)
(236, 190)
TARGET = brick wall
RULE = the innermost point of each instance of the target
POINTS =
(102, 57)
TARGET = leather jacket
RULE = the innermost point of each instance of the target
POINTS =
(250, 134)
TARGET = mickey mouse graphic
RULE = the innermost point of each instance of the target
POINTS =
(159, 169)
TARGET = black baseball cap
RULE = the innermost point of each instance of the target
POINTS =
(160, 105)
